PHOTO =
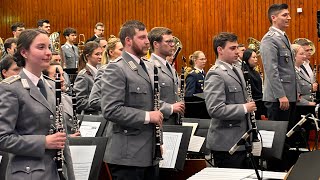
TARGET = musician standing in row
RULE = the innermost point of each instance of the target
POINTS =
(280, 85)
(27, 106)
(162, 45)
(44, 24)
(98, 31)
(225, 97)
(83, 83)
(127, 103)
(69, 50)
(195, 78)
(306, 67)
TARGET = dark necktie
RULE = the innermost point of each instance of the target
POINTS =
(287, 38)
(42, 88)
(168, 66)
(143, 66)
(305, 70)
(238, 75)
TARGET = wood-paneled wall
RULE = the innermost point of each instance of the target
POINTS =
(194, 22)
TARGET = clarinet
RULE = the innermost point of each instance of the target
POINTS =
(58, 127)
(181, 92)
(250, 99)
(75, 120)
(313, 93)
(157, 155)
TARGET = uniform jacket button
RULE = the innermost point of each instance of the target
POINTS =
(230, 125)
(28, 169)
(125, 131)
(51, 116)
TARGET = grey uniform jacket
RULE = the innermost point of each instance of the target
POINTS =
(168, 84)
(95, 94)
(71, 56)
(225, 95)
(280, 76)
(127, 93)
(25, 121)
(305, 87)
(82, 87)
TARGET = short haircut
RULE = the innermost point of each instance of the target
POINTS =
(68, 31)
(99, 24)
(295, 48)
(274, 9)
(8, 42)
(15, 25)
(6, 63)
(41, 21)
(221, 40)
(302, 42)
(128, 29)
(99, 39)
(156, 35)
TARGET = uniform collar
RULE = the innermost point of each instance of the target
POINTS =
(34, 79)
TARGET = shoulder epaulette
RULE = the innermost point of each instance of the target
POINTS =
(196, 71)
(103, 66)
(82, 72)
(214, 67)
(270, 33)
(11, 79)
(132, 65)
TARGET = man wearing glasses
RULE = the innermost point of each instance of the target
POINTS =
(162, 46)
(98, 31)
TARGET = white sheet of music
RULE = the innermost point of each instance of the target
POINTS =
(267, 138)
(193, 125)
(195, 143)
(171, 144)
(82, 158)
(89, 129)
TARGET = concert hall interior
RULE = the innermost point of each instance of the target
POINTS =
(230, 69)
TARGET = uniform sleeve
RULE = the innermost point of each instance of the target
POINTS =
(82, 93)
(190, 85)
(10, 139)
(95, 94)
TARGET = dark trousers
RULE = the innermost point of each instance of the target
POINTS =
(223, 159)
(276, 114)
(120, 172)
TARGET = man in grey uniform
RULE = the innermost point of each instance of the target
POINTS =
(280, 85)
(69, 50)
(162, 45)
(127, 103)
(225, 96)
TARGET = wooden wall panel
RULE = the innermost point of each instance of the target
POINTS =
(194, 22)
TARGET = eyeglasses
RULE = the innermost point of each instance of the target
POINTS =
(100, 29)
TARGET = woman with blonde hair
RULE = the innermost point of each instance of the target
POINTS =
(113, 50)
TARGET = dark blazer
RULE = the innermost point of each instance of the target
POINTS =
(194, 83)
(127, 93)
(25, 121)
(225, 95)
(92, 38)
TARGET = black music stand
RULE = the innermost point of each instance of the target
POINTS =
(183, 148)
(196, 107)
(307, 167)
(280, 129)
(100, 143)
(95, 118)
(3, 164)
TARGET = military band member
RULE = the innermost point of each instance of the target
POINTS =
(28, 110)
(225, 96)
(89, 60)
(8, 67)
(98, 31)
(195, 79)
(44, 24)
(241, 49)
(127, 102)
(304, 80)
(69, 50)
(162, 45)
(114, 49)
(17, 28)
(280, 86)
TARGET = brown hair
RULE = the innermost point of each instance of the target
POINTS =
(88, 49)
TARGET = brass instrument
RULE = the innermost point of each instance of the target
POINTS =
(178, 48)
(157, 154)
(254, 45)
(81, 43)
(310, 43)
(55, 42)
(58, 126)
(1, 47)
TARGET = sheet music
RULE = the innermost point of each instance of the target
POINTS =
(193, 125)
(195, 143)
(89, 129)
(82, 158)
(267, 138)
(171, 144)
(0, 159)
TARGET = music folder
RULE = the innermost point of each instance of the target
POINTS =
(183, 147)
